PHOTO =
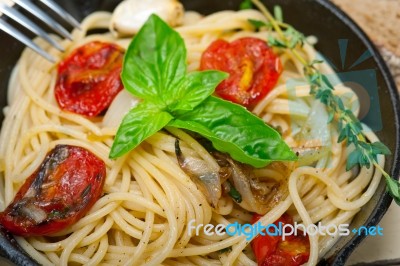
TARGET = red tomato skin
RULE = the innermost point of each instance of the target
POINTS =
(89, 78)
(269, 250)
(253, 69)
(68, 183)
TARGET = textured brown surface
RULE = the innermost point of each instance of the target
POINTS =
(380, 19)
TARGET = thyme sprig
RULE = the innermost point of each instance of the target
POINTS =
(364, 153)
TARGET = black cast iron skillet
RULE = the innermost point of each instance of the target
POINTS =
(313, 17)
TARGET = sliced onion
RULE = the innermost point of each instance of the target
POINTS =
(241, 176)
(119, 107)
(33, 212)
(258, 196)
(315, 131)
(206, 179)
(309, 155)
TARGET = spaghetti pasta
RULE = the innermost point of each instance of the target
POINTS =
(148, 200)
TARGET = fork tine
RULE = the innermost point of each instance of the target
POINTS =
(27, 5)
(22, 38)
(18, 17)
(62, 13)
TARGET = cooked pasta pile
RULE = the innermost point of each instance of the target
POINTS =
(148, 200)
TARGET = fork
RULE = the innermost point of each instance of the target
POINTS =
(14, 14)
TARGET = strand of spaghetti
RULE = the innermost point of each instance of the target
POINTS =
(147, 232)
(275, 93)
(227, 20)
(331, 184)
(98, 211)
(50, 108)
(304, 215)
(128, 229)
(75, 238)
(342, 218)
(138, 223)
(96, 20)
(44, 145)
(101, 252)
(78, 258)
(373, 185)
(192, 250)
(91, 249)
(365, 197)
(35, 254)
(269, 218)
(112, 197)
(358, 184)
(190, 215)
(141, 247)
(9, 140)
(325, 209)
(98, 233)
(179, 207)
(202, 209)
(310, 198)
(13, 88)
(140, 166)
(337, 157)
(89, 252)
(28, 164)
(54, 257)
(115, 170)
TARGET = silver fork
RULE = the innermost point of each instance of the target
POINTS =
(14, 14)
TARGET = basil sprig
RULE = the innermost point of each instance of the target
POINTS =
(155, 71)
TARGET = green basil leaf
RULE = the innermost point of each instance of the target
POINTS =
(140, 123)
(154, 70)
(194, 89)
(154, 62)
(233, 129)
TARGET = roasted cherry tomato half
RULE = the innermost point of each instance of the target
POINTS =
(273, 251)
(89, 78)
(253, 69)
(65, 186)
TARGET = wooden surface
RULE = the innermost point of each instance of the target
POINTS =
(380, 19)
